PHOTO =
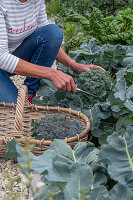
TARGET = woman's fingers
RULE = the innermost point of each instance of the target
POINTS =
(69, 85)
(73, 86)
(95, 67)
(64, 82)
(83, 68)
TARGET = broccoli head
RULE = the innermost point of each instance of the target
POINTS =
(96, 82)
(56, 126)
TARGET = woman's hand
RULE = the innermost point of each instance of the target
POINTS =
(83, 68)
(62, 81)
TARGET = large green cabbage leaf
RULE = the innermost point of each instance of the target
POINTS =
(119, 151)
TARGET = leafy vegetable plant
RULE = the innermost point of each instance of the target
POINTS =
(84, 171)
(96, 82)
(99, 19)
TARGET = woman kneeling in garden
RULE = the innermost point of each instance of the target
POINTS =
(29, 45)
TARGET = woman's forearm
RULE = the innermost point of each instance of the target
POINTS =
(28, 69)
(59, 79)
(67, 61)
(63, 58)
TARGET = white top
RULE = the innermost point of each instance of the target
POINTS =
(18, 21)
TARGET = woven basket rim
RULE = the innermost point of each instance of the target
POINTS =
(3, 104)
(58, 109)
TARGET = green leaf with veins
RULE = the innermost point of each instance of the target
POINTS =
(11, 150)
(120, 192)
(119, 152)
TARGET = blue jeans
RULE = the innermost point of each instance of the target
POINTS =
(40, 48)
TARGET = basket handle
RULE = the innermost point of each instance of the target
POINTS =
(21, 99)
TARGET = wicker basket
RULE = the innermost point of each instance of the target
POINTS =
(15, 122)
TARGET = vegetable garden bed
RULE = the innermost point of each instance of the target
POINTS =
(99, 33)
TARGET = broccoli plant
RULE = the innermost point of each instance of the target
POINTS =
(96, 82)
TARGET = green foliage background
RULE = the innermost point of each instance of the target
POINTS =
(83, 20)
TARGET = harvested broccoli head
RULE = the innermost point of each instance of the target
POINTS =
(96, 82)
(56, 126)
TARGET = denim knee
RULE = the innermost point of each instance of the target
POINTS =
(54, 36)
(55, 32)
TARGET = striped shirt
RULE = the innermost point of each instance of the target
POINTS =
(18, 21)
